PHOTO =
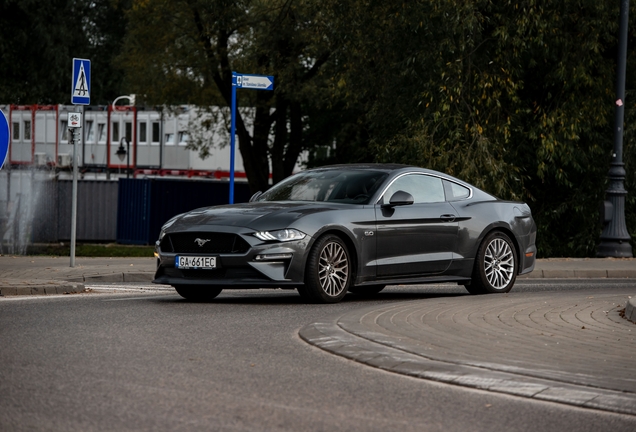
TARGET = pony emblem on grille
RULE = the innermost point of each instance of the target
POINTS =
(201, 242)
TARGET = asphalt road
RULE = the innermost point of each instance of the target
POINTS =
(152, 361)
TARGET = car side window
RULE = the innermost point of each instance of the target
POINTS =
(424, 188)
(455, 192)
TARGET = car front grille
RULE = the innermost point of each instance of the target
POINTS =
(204, 243)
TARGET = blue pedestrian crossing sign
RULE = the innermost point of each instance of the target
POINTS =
(4, 138)
(81, 90)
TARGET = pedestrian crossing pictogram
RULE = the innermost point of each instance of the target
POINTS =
(81, 90)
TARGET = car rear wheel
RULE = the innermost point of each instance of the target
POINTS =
(366, 290)
(328, 272)
(197, 293)
(495, 268)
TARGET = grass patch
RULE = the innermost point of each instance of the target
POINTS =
(91, 250)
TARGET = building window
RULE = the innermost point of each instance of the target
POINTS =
(64, 130)
(90, 132)
(27, 130)
(128, 126)
(170, 139)
(16, 130)
(155, 132)
(183, 138)
(115, 132)
(101, 132)
(142, 133)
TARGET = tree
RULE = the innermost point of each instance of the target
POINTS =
(38, 41)
(515, 98)
(185, 52)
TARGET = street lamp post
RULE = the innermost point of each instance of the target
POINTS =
(615, 238)
(124, 152)
(121, 151)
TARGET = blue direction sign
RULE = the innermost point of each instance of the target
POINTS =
(4, 138)
(81, 89)
(251, 82)
(255, 82)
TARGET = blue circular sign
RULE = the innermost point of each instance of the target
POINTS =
(4, 138)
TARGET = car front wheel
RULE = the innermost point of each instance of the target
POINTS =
(197, 293)
(366, 290)
(495, 268)
(328, 272)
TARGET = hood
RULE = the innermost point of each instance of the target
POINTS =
(258, 215)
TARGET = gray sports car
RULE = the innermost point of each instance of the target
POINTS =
(350, 228)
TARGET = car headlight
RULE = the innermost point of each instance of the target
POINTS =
(283, 235)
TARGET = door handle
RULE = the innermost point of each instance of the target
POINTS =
(447, 217)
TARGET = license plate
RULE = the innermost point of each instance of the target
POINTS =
(194, 262)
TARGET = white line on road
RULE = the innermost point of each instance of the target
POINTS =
(129, 287)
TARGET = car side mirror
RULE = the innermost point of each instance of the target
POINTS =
(255, 196)
(400, 198)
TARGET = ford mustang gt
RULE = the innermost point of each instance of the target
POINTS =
(350, 228)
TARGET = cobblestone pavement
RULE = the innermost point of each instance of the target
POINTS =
(570, 347)
(27, 275)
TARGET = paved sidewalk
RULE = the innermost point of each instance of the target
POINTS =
(567, 347)
(28, 275)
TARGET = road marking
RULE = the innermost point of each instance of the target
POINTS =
(128, 287)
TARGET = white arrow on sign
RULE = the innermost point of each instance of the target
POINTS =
(257, 82)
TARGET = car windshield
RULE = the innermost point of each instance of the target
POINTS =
(333, 185)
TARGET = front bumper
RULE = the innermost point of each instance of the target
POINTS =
(241, 270)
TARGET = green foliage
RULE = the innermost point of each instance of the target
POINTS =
(185, 51)
(92, 250)
(516, 98)
(38, 41)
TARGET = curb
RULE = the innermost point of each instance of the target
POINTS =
(580, 274)
(630, 310)
(330, 337)
(15, 287)
(72, 284)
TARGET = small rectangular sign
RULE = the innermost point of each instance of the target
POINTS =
(74, 120)
(255, 82)
(195, 262)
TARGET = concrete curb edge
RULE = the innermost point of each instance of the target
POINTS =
(330, 337)
(630, 310)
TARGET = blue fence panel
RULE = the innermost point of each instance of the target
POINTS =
(133, 211)
(146, 204)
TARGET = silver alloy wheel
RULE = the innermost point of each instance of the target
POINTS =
(333, 269)
(499, 263)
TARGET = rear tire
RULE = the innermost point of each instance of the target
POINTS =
(198, 293)
(329, 271)
(495, 268)
(367, 290)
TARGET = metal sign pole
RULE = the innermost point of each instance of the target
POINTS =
(252, 82)
(80, 95)
(75, 134)
(232, 137)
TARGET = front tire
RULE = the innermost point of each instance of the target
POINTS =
(367, 290)
(197, 293)
(495, 268)
(329, 271)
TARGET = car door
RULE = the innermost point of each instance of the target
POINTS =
(415, 239)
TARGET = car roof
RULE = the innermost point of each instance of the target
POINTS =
(396, 168)
(384, 167)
